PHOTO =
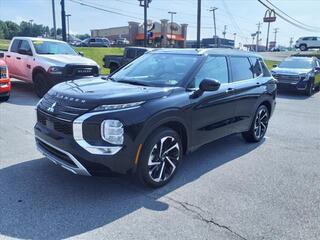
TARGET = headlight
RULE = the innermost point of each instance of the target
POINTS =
(112, 131)
(3, 72)
(305, 76)
(114, 107)
(55, 70)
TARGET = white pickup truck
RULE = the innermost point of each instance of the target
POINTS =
(46, 62)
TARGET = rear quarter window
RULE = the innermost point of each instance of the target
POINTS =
(265, 70)
(255, 66)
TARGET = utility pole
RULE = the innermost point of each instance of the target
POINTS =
(171, 27)
(199, 24)
(67, 16)
(213, 10)
(54, 20)
(276, 30)
(258, 36)
(234, 39)
(290, 43)
(224, 31)
(145, 5)
(63, 21)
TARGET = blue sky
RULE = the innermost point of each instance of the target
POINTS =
(240, 16)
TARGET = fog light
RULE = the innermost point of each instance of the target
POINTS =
(112, 131)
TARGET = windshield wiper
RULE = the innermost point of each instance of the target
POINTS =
(133, 82)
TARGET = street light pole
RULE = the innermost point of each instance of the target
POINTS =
(68, 15)
(224, 31)
(171, 27)
(63, 21)
(54, 20)
(213, 10)
(199, 24)
(145, 5)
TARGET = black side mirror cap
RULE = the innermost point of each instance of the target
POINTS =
(317, 69)
(209, 85)
(81, 54)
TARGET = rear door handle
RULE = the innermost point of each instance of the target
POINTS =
(19, 58)
(8, 56)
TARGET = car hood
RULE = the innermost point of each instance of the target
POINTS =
(95, 91)
(63, 59)
(290, 71)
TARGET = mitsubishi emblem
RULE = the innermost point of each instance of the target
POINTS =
(51, 108)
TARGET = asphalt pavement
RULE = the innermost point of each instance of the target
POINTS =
(228, 189)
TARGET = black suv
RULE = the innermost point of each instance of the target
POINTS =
(144, 117)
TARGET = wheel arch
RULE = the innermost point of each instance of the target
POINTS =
(37, 70)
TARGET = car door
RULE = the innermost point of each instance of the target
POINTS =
(10, 57)
(24, 61)
(92, 42)
(212, 112)
(247, 78)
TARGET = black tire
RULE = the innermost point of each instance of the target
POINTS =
(259, 125)
(113, 68)
(155, 169)
(41, 84)
(303, 47)
(309, 90)
(4, 99)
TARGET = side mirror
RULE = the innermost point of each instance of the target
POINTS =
(25, 52)
(209, 85)
(1, 55)
(274, 65)
(205, 86)
(317, 69)
(81, 54)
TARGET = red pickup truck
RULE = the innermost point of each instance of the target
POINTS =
(5, 84)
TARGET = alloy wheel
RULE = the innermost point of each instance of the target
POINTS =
(163, 159)
(261, 123)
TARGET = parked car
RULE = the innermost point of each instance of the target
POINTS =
(121, 41)
(46, 62)
(5, 84)
(306, 43)
(299, 73)
(130, 53)
(143, 118)
(96, 42)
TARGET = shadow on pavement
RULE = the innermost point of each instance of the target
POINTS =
(290, 94)
(22, 93)
(41, 201)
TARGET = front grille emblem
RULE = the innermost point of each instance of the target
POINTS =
(51, 108)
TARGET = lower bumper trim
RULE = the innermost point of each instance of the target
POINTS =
(77, 168)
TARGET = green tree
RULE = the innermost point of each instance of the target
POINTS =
(13, 29)
(3, 30)
(82, 36)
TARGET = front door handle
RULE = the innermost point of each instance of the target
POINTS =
(230, 90)
(19, 58)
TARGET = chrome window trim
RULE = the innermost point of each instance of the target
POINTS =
(77, 126)
(80, 169)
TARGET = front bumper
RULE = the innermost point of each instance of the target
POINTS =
(300, 86)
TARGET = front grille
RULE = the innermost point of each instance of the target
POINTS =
(287, 78)
(58, 108)
(56, 153)
(54, 124)
(81, 70)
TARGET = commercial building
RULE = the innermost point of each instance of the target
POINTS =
(160, 34)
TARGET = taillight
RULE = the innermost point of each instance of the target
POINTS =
(3, 72)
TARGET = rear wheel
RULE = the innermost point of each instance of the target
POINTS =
(41, 84)
(259, 125)
(160, 157)
(303, 47)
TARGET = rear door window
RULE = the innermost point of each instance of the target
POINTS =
(15, 46)
(255, 67)
(241, 68)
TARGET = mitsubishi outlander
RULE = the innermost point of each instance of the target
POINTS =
(147, 115)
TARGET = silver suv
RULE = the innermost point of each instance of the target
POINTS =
(305, 43)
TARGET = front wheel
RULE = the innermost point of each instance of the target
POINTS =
(41, 84)
(160, 157)
(309, 89)
(303, 47)
(259, 125)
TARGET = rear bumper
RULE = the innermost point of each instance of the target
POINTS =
(5, 86)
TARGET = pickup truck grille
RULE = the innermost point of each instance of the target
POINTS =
(286, 78)
(81, 70)
(59, 109)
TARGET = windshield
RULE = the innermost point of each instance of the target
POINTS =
(51, 47)
(157, 69)
(296, 63)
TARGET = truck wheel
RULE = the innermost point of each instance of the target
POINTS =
(160, 157)
(259, 125)
(303, 47)
(41, 84)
